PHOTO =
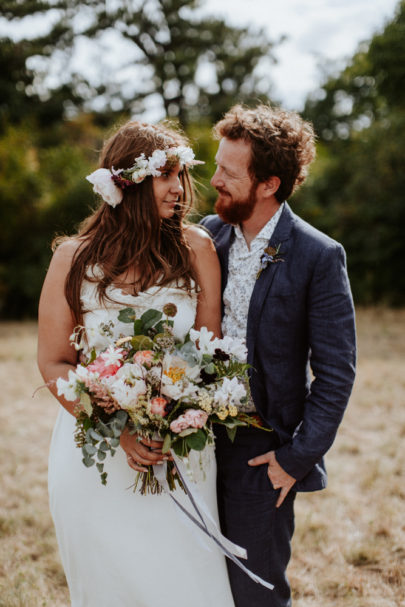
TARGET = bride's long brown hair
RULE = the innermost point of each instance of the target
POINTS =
(132, 235)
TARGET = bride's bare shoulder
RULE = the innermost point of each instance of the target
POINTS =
(198, 239)
(64, 252)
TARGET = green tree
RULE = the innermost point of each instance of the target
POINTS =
(43, 192)
(356, 192)
(368, 89)
(156, 49)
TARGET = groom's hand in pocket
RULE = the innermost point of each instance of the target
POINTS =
(279, 478)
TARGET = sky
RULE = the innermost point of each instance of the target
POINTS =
(317, 31)
(319, 35)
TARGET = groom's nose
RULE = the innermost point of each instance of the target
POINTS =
(216, 180)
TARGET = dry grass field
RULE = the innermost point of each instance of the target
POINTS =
(349, 545)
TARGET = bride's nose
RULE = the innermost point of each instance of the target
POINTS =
(176, 187)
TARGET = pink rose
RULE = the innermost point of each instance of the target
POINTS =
(158, 406)
(104, 370)
(179, 424)
(192, 418)
(144, 357)
(196, 418)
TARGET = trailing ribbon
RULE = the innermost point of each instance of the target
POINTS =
(203, 519)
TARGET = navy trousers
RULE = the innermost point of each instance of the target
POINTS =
(246, 501)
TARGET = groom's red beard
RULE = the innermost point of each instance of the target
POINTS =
(235, 211)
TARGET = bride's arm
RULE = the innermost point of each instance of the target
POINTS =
(56, 323)
(56, 356)
(207, 267)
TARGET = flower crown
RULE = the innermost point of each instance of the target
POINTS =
(111, 183)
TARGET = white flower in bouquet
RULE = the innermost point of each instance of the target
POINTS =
(176, 390)
(179, 378)
(68, 388)
(230, 392)
(206, 345)
(111, 356)
(234, 347)
(127, 395)
(176, 367)
(130, 372)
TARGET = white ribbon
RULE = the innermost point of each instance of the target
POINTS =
(202, 517)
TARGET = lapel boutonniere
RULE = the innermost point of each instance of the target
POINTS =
(269, 255)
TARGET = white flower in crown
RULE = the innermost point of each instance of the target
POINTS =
(185, 155)
(140, 175)
(105, 186)
(141, 169)
(157, 161)
(109, 184)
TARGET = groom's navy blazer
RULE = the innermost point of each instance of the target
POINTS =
(301, 317)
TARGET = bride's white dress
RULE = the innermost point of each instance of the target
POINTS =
(120, 548)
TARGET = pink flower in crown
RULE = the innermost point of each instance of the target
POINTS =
(144, 357)
(192, 418)
(158, 406)
(108, 362)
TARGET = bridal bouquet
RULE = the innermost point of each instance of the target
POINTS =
(158, 387)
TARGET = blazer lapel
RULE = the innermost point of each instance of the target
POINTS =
(263, 284)
(223, 241)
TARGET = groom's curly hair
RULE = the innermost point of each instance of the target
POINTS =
(282, 143)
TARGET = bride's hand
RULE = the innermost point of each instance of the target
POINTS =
(141, 452)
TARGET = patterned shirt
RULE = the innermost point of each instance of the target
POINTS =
(243, 266)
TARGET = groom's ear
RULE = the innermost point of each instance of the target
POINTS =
(271, 185)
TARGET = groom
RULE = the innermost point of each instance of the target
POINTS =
(285, 288)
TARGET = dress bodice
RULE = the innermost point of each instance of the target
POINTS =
(101, 322)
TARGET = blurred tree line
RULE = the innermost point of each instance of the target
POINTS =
(54, 117)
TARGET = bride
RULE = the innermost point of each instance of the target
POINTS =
(119, 547)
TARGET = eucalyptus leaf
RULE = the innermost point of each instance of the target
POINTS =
(88, 449)
(103, 446)
(114, 442)
(88, 462)
(101, 455)
(100, 467)
(127, 315)
(104, 429)
(121, 417)
(117, 431)
(94, 435)
(189, 353)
